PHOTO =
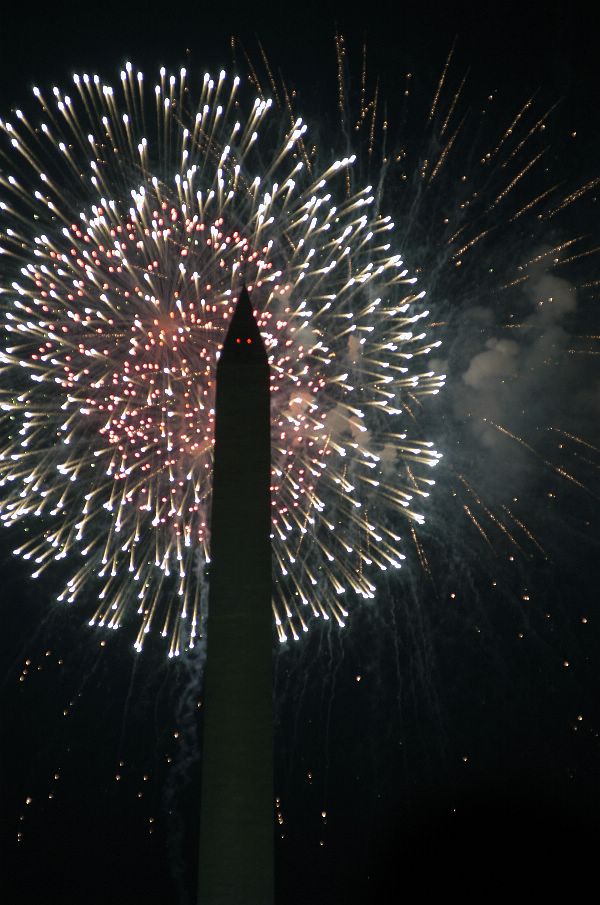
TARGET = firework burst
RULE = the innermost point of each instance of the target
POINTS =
(122, 259)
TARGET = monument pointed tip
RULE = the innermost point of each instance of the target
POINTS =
(243, 342)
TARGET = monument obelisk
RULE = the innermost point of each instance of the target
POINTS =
(237, 810)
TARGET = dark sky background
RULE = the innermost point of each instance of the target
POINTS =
(451, 742)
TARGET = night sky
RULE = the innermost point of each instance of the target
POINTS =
(446, 741)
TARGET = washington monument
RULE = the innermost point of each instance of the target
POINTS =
(237, 820)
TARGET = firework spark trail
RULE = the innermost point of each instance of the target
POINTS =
(440, 85)
(477, 525)
(572, 197)
(558, 469)
(125, 254)
(526, 531)
(491, 516)
(574, 438)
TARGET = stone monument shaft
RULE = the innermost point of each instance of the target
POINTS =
(237, 815)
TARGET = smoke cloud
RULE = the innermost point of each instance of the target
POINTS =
(516, 369)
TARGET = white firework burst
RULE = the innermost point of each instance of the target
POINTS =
(126, 233)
